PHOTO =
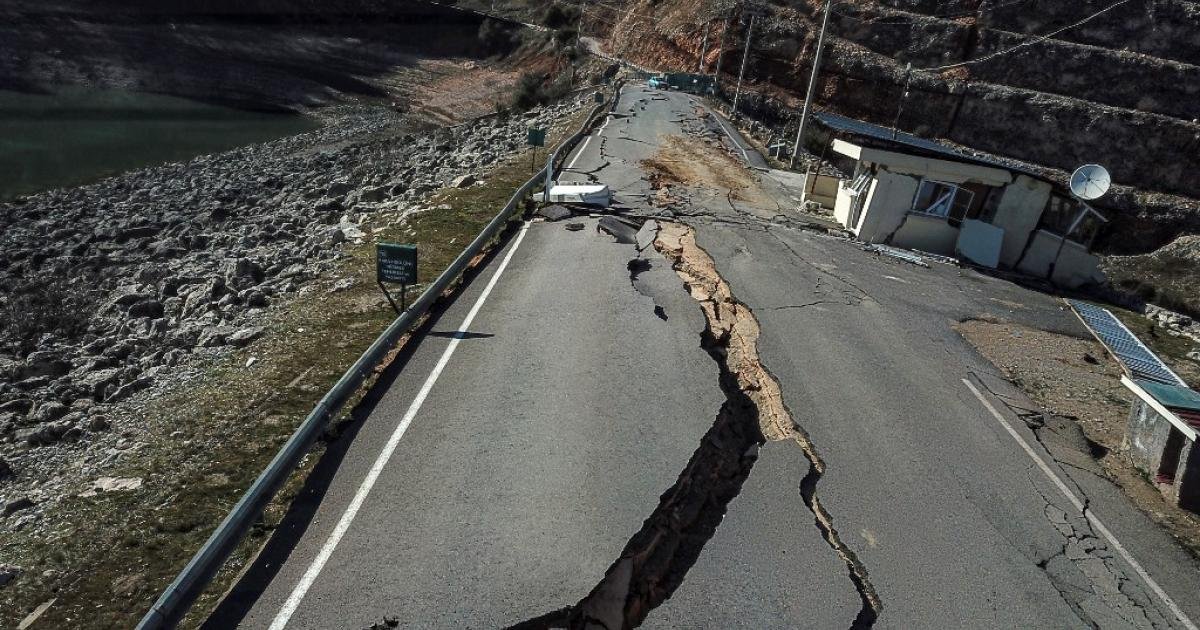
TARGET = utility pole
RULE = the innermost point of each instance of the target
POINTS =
(745, 57)
(900, 107)
(812, 83)
(704, 48)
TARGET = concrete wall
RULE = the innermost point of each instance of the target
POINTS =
(1075, 267)
(889, 200)
(822, 189)
(1187, 478)
(1020, 208)
(928, 234)
(1146, 436)
(841, 206)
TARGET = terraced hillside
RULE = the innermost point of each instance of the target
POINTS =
(1123, 89)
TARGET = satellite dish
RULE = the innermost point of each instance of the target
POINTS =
(1090, 181)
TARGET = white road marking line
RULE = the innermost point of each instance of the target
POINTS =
(721, 123)
(318, 563)
(1092, 518)
(585, 143)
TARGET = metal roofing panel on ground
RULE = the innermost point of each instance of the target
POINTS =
(1137, 359)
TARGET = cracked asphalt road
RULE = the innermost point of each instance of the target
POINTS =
(581, 393)
(954, 522)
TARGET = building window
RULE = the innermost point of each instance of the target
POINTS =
(1064, 216)
(941, 199)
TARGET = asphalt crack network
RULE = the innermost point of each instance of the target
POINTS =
(1083, 553)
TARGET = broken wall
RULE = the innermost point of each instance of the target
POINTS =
(1075, 265)
(926, 233)
(890, 199)
(1146, 436)
(1020, 209)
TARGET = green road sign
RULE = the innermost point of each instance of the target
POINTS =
(396, 263)
(537, 137)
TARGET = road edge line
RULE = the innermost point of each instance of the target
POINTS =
(314, 569)
(1088, 513)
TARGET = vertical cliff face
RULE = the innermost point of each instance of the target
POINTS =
(1122, 89)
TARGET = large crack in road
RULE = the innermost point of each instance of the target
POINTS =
(735, 331)
(657, 558)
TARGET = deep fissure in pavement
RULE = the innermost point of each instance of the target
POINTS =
(734, 331)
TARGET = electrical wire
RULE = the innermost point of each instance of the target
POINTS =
(940, 16)
(1037, 40)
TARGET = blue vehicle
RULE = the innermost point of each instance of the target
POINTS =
(657, 82)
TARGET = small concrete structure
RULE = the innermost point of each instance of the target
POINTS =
(917, 194)
(1161, 438)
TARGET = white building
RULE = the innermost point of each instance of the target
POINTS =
(917, 194)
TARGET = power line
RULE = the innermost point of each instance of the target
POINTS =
(1037, 40)
(940, 16)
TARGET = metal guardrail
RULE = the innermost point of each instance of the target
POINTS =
(182, 593)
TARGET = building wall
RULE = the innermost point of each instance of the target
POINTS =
(1187, 478)
(822, 189)
(889, 200)
(841, 207)
(1075, 267)
(1020, 208)
(1146, 436)
(928, 234)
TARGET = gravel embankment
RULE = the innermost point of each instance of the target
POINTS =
(109, 289)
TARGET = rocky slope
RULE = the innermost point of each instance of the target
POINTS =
(109, 288)
(1120, 90)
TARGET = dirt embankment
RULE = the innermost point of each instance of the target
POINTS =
(1078, 385)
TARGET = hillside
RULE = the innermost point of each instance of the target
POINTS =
(1120, 90)
(258, 54)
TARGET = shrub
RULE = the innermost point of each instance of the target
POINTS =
(496, 38)
(558, 16)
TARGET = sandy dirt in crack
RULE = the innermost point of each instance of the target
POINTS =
(704, 165)
(1076, 378)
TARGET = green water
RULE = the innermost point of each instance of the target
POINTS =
(80, 135)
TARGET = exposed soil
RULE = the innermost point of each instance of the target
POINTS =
(1076, 380)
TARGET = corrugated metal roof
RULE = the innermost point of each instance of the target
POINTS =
(1173, 397)
(1192, 418)
(883, 135)
(1137, 359)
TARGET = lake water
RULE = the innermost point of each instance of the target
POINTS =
(80, 135)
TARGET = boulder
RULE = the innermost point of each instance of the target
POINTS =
(128, 389)
(49, 412)
(96, 382)
(244, 336)
(8, 573)
(463, 181)
(374, 194)
(146, 308)
(244, 273)
(46, 363)
(214, 337)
